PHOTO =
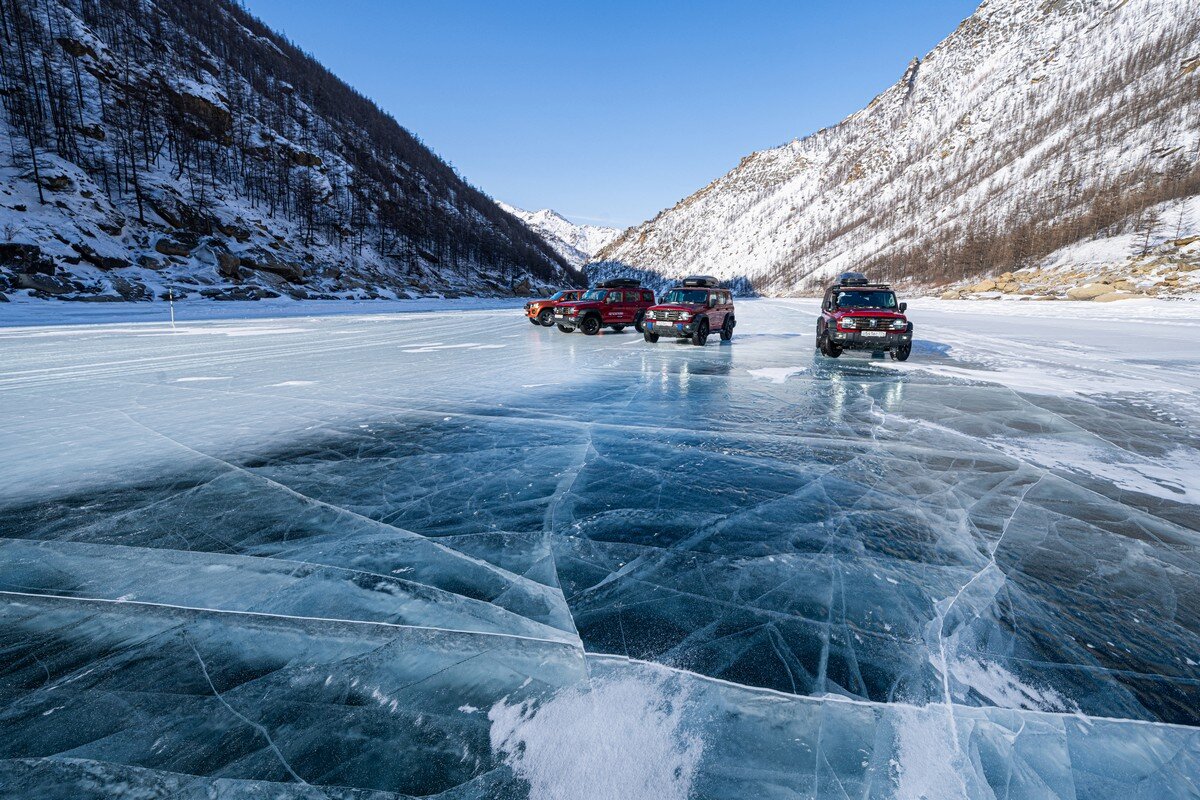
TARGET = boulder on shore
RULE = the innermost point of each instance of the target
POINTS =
(1088, 292)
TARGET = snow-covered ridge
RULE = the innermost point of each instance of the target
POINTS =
(576, 243)
(192, 151)
(1032, 126)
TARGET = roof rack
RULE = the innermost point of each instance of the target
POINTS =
(619, 283)
(852, 279)
(707, 281)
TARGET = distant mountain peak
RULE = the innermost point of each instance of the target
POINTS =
(575, 243)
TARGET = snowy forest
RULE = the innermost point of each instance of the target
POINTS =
(187, 129)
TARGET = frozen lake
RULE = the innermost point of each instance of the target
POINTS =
(449, 553)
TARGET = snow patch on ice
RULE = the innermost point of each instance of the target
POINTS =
(1160, 478)
(620, 738)
(200, 378)
(927, 763)
(777, 374)
(294, 383)
(1005, 689)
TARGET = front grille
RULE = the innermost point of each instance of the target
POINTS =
(870, 323)
(667, 316)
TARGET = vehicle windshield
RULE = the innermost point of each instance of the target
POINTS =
(594, 294)
(866, 299)
(686, 296)
(558, 295)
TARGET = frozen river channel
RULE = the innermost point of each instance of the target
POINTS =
(452, 554)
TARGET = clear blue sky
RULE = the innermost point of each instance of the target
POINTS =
(610, 111)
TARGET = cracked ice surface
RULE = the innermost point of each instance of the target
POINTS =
(452, 554)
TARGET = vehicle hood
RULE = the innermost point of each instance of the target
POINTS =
(692, 307)
(582, 305)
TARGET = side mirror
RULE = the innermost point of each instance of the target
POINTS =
(903, 307)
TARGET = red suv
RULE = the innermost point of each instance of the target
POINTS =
(541, 312)
(692, 311)
(612, 304)
(857, 315)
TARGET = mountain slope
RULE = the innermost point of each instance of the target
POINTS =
(181, 145)
(1032, 126)
(575, 243)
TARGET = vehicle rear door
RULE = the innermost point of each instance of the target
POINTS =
(628, 305)
(716, 311)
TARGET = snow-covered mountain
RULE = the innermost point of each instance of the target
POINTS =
(182, 146)
(575, 243)
(1034, 125)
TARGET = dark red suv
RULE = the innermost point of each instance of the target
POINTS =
(857, 315)
(611, 304)
(692, 311)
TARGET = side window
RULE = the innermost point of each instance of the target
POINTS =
(647, 296)
(631, 297)
(726, 299)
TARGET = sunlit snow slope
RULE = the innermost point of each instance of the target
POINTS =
(456, 555)
(1033, 125)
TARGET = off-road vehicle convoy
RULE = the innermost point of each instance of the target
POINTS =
(857, 315)
(692, 311)
(611, 304)
(541, 312)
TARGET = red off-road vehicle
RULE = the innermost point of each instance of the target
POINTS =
(611, 304)
(691, 311)
(541, 312)
(857, 315)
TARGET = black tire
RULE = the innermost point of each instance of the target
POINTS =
(566, 329)
(829, 349)
(545, 317)
(727, 329)
(618, 328)
(700, 336)
(534, 321)
(652, 338)
(590, 325)
(638, 322)
(902, 352)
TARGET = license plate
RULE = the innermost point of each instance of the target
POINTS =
(874, 333)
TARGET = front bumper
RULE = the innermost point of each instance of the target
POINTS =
(669, 328)
(862, 340)
(564, 320)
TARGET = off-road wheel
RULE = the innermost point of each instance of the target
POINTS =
(828, 348)
(590, 325)
(652, 338)
(902, 352)
(700, 336)
(566, 329)
(727, 330)
(618, 328)
(545, 317)
(534, 321)
(639, 323)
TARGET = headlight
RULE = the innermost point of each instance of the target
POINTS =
(848, 322)
(650, 315)
(685, 316)
(573, 312)
(899, 324)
